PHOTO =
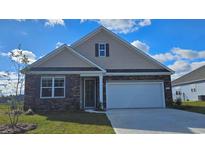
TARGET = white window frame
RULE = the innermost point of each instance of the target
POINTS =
(53, 86)
(102, 50)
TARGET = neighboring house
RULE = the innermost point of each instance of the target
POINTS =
(190, 87)
(99, 68)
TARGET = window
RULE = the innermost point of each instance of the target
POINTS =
(59, 87)
(102, 50)
(52, 87)
(193, 89)
(46, 87)
(178, 92)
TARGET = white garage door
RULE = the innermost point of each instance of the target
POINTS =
(134, 95)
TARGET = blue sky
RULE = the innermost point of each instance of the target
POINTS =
(179, 44)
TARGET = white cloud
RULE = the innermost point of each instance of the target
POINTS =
(195, 65)
(119, 25)
(184, 60)
(180, 66)
(185, 53)
(177, 75)
(58, 44)
(179, 54)
(163, 57)
(141, 45)
(183, 67)
(3, 54)
(122, 25)
(24, 33)
(53, 22)
(29, 54)
(20, 20)
(145, 22)
(8, 82)
(188, 54)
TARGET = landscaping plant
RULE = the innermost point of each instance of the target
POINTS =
(19, 60)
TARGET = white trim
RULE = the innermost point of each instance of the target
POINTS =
(89, 35)
(97, 73)
(137, 82)
(53, 87)
(84, 93)
(65, 72)
(101, 88)
(91, 74)
(56, 51)
(138, 73)
(132, 81)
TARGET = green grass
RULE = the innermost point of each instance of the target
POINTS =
(193, 106)
(64, 123)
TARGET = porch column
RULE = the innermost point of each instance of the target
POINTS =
(101, 88)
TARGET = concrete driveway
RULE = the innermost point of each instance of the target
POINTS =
(154, 121)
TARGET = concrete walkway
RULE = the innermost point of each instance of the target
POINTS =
(154, 121)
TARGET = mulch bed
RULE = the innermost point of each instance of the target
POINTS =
(20, 128)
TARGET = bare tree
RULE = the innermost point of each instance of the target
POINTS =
(19, 60)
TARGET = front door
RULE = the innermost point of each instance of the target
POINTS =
(90, 93)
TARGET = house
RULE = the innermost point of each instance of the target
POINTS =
(99, 69)
(191, 86)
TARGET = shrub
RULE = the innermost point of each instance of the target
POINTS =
(14, 111)
(178, 101)
(100, 106)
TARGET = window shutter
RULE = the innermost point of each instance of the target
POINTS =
(107, 50)
(96, 50)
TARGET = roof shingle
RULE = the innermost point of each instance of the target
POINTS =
(194, 76)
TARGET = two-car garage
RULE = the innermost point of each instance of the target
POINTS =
(134, 94)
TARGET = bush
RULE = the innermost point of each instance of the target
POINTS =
(178, 101)
(14, 112)
(100, 106)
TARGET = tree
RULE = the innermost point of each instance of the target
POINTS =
(19, 60)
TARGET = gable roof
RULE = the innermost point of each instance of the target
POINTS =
(102, 28)
(57, 51)
(194, 76)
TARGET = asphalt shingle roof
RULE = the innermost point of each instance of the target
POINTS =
(194, 76)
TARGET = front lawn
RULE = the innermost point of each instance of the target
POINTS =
(195, 106)
(64, 123)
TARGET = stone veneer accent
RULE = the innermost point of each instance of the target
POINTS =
(32, 95)
(165, 78)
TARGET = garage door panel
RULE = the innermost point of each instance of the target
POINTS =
(134, 95)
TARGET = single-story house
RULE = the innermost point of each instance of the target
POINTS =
(191, 86)
(100, 69)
